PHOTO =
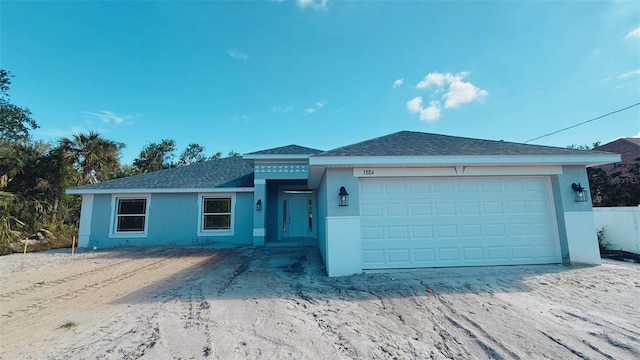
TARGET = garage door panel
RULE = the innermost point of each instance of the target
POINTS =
(399, 256)
(397, 232)
(396, 210)
(471, 231)
(490, 186)
(394, 188)
(492, 208)
(424, 255)
(473, 253)
(497, 253)
(448, 254)
(469, 208)
(373, 257)
(469, 186)
(420, 209)
(421, 232)
(373, 233)
(419, 188)
(457, 222)
(444, 209)
(446, 231)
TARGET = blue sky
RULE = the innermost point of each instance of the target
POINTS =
(249, 75)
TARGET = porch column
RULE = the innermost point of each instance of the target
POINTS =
(259, 215)
(84, 232)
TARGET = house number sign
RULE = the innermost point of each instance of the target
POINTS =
(364, 172)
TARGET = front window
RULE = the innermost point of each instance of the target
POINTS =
(129, 215)
(216, 214)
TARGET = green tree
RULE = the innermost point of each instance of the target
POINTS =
(97, 158)
(15, 121)
(233, 154)
(194, 153)
(156, 156)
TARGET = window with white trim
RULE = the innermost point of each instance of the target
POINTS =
(130, 215)
(216, 214)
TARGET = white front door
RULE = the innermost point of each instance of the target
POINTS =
(296, 215)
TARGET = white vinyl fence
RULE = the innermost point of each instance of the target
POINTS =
(623, 227)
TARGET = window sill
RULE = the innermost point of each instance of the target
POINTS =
(128, 235)
(215, 233)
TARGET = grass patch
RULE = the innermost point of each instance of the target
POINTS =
(68, 325)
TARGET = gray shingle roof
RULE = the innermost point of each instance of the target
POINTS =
(635, 141)
(227, 172)
(411, 143)
(288, 150)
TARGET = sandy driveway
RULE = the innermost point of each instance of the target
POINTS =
(272, 303)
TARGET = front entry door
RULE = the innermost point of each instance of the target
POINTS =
(296, 215)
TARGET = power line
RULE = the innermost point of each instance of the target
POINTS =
(584, 122)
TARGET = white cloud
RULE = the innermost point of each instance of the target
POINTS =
(236, 54)
(629, 74)
(461, 92)
(415, 105)
(430, 113)
(109, 117)
(455, 91)
(633, 34)
(313, 4)
(317, 106)
(637, 135)
(397, 83)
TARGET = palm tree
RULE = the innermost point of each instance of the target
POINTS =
(97, 158)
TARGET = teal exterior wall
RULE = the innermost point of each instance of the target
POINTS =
(327, 201)
(172, 220)
(335, 178)
(100, 222)
(321, 217)
(564, 201)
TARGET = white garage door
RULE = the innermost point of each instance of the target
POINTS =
(433, 222)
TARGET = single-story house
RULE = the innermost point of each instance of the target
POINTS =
(404, 200)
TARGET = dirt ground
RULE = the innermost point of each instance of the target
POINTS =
(270, 303)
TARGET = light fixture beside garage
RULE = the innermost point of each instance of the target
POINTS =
(259, 205)
(343, 197)
(581, 193)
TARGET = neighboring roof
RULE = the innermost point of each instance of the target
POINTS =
(232, 172)
(287, 150)
(411, 143)
(628, 148)
(633, 140)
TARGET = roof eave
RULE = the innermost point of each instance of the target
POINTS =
(276, 156)
(81, 191)
(465, 160)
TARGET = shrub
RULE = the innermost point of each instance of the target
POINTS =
(603, 244)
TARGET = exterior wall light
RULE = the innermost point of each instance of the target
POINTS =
(581, 193)
(343, 197)
(259, 205)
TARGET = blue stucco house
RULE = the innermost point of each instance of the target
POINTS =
(414, 200)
